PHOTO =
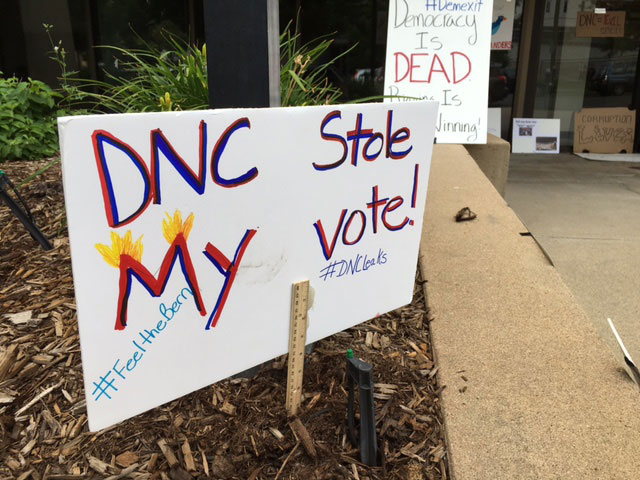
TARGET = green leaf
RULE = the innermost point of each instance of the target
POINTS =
(296, 78)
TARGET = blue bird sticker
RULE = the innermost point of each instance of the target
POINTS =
(495, 26)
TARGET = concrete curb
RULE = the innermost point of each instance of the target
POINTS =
(451, 473)
(532, 391)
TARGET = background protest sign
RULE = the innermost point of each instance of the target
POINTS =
(604, 130)
(187, 230)
(608, 24)
(439, 50)
(535, 135)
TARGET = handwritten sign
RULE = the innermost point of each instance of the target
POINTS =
(187, 230)
(609, 24)
(439, 50)
(502, 24)
(604, 130)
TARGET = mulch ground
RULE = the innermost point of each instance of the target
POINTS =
(237, 428)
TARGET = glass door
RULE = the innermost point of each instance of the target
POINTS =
(584, 72)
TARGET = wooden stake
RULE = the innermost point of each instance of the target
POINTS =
(297, 342)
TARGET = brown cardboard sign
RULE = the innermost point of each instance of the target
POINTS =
(591, 24)
(604, 130)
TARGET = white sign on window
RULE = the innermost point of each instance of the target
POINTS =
(502, 24)
(536, 135)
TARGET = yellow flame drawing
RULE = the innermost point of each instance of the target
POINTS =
(171, 227)
(121, 246)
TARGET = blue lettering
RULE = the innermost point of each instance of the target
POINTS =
(344, 268)
(129, 368)
(147, 335)
(146, 339)
(217, 153)
(135, 359)
(332, 138)
(119, 372)
(445, 5)
(163, 311)
(152, 333)
(358, 264)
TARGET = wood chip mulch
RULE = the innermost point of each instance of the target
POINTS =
(235, 429)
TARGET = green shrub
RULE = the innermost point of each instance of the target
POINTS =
(151, 80)
(27, 119)
(175, 78)
(303, 77)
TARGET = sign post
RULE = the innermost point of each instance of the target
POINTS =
(243, 53)
(243, 59)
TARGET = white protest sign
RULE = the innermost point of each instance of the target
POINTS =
(187, 230)
(439, 50)
(535, 135)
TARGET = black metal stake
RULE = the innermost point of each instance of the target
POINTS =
(361, 373)
(24, 215)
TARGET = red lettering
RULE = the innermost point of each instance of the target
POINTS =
(413, 66)
(114, 217)
(397, 55)
(327, 249)
(229, 270)
(436, 58)
(363, 220)
(130, 267)
(455, 71)
(457, 79)
(332, 138)
(394, 203)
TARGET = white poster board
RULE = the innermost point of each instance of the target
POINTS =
(494, 121)
(187, 230)
(439, 50)
(536, 135)
(502, 24)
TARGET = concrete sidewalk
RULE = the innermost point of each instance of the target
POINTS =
(586, 215)
(532, 391)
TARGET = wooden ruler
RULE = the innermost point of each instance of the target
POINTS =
(297, 342)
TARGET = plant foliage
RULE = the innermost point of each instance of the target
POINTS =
(150, 80)
(175, 78)
(303, 75)
(27, 119)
